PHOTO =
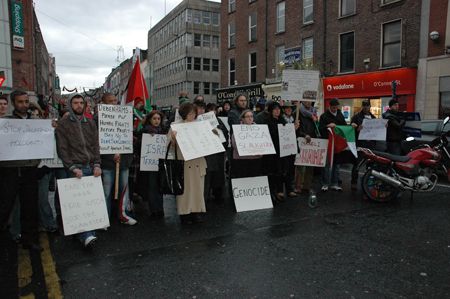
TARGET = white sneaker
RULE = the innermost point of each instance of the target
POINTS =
(324, 188)
(336, 188)
(130, 221)
(90, 241)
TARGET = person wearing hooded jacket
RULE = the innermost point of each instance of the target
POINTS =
(394, 132)
(78, 148)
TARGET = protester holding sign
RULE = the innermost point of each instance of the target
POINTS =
(394, 134)
(191, 204)
(78, 147)
(109, 163)
(357, 123)
(289, 176)
(19, 179)
(148, 181)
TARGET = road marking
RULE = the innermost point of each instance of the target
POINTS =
(24, 270)
(48, 265)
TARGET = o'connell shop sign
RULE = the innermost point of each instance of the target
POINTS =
(17, 24)
(229, 93)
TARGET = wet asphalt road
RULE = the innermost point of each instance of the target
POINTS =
(347, 247)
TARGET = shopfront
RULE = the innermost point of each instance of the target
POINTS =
(352, 90)
(252, 91)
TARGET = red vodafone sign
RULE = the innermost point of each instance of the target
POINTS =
(2, 78)
(372, 84)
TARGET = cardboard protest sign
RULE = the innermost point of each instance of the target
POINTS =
(253, 140)
(373, 129)
(225, 122)
(196, 139)
(313, 153)
(83, 205)
(288, 141)
(52, 163)
(153, 148)
(300, 85)
(212, 119)
(115, 129)
(251, 194)
(24, 139)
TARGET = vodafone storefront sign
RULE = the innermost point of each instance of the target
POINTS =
(374, 84)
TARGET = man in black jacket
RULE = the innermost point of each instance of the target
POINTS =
(329, 120)
(394, 134)
(234, 116)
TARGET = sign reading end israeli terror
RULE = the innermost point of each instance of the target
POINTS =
(251, 194)
(153, 148)
(115, 129)
(83, 205)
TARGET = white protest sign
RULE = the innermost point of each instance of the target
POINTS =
(153, 148)
(225, 122)
(178, 117)
(24, 139)
(212, 119)
(83, 205)
(300, 85)
(251, 194)
(196, 139)
(52, 163)
(313, 153)
(288, 141)
(373, 129)
(253, 140)
(115, 129)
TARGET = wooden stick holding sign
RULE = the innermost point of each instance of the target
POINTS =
(116, 181)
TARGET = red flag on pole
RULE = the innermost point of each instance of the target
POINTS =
(136, 85)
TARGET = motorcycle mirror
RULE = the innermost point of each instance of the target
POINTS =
(446, 120)
(410, 138)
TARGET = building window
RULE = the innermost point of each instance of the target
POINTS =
(188, 15)
(252, 27)
(279, 54)
(384, 2)
(215, 86)
(197, 17)
(206, 89)
(308, 48)
(308, 11)
(231, 5)
(197, 39)
(197, 63)
(347, 7)
(206, 40)
(206, 64)
(189, 63)
(231, 71)
(215, 41)
(215, 19)
(347, 52)
(189, 39)
(206, 17)
(252, 67)
(196, 87)
(231, 35)
(215, 65)
(280, 16)
(444, 97)
(391, 48)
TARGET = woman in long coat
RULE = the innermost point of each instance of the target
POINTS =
(191, 204)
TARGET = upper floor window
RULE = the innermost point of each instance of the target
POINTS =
(231, 35)
(197, 17)
(281, 16)
(391, 44)
(206, 15)
(308, 11)
(308, 48)
(215, 41)
(215, 19)
(197, 39)
(231, 71)
(252, 27)
(347, 7)
(252, 67)
(231, 5)
(347, 52)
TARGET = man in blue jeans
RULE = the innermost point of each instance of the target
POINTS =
(78, 148)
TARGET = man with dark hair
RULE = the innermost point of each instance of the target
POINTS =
(199, 98)
(19, 179)
(78, 147)
(234, 116)
(394, 132)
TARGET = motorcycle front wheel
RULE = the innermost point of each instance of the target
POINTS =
(376, 189)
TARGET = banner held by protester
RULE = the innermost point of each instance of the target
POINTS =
(153, 148)
(288, 142)
(253, 140)
(115, 129)
(251, 194)
(313, 153)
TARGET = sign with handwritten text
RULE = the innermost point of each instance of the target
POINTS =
(288, 141)
(153, 148)
(83, 205)
(251, 193)
(24, 139)
(115, 129)
(196, 139)
(313, 153)
(253, 140)
(373, 129)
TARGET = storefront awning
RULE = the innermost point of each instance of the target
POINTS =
(229, 93)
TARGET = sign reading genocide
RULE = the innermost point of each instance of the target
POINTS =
(153, 148)
(373, 129)
(251, 194)
(115, 129)
(196, 139)
(313, 153)
(300, 85)
(24, 139)
(253, 140)
(83, 205)
(288, 141)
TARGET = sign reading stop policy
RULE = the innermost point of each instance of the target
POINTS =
(115, 129)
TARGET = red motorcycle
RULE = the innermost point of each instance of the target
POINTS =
(387, 175)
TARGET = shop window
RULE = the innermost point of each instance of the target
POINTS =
(231, 35)
(231, 71)
(252, 27)
(308, 11)
(391, 44)
(252, 67)
(444, 104)
(197, 63)
(347, 52)
(347, 8)
(281, 16)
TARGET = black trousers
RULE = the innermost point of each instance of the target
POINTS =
(21, 182)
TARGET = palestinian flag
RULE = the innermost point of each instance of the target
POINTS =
(340, 139)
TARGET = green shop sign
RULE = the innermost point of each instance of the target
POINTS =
(17, 24)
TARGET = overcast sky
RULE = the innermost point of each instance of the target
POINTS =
(84, 35)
